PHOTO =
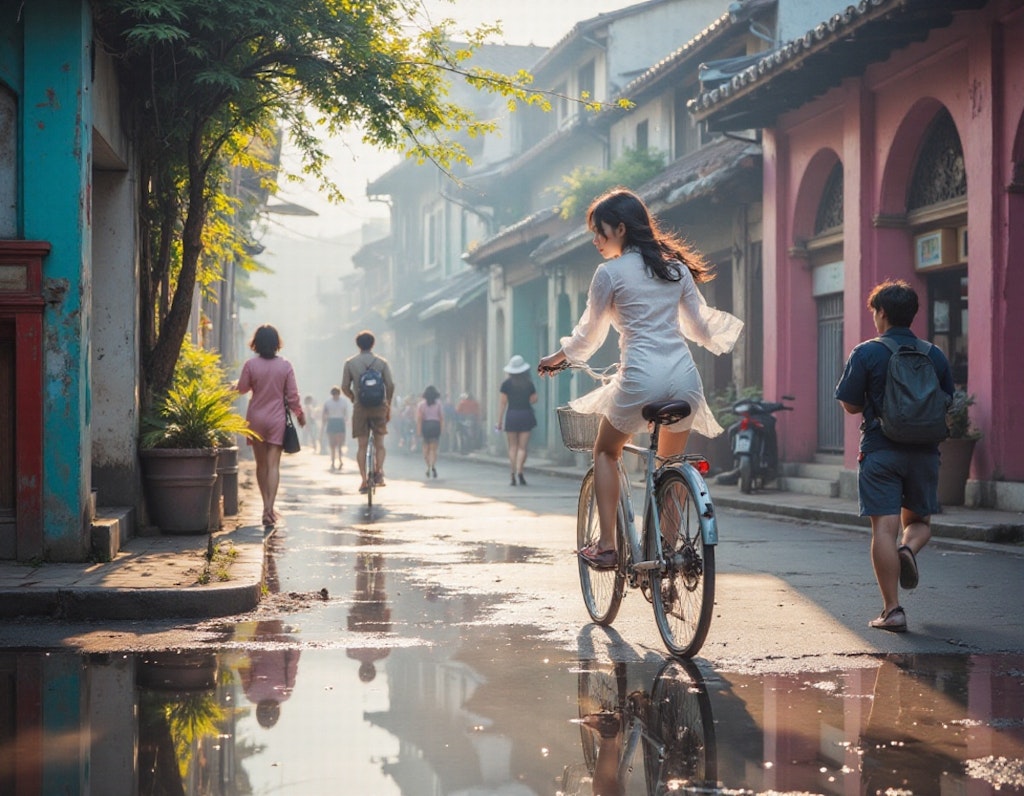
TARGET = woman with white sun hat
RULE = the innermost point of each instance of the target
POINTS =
(515, 413)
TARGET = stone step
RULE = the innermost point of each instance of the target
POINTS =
(111, 526)
(824, 472)
(810, 486)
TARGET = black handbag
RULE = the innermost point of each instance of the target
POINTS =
(291, 434)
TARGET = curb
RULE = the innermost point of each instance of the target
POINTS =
(194, 600)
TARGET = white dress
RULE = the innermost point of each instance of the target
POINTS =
(654, 319)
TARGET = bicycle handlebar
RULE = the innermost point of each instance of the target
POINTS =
(603, 375)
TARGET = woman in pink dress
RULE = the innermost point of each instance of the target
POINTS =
(271, 380)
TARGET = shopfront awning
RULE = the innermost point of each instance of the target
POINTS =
(464, 294)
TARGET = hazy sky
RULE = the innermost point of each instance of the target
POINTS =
(540, 22)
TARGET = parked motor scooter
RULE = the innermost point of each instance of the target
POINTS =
(755, 448)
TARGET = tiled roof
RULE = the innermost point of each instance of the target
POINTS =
(806, 67)
(740, 13)
(526, 230)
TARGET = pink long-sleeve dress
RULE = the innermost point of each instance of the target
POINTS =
(271, 381)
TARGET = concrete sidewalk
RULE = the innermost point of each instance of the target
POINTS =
(955, 522)
(158, 577)
(151, 577)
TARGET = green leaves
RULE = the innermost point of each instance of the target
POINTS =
(631, 170)
(198, 411)
(194, 416)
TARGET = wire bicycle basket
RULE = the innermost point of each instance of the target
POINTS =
(578, 431)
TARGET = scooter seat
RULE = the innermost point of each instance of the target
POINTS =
(666, 412)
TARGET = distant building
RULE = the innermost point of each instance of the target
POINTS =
(893, 136)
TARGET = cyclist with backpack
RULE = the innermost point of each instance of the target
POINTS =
(366, 381)
(903, 387)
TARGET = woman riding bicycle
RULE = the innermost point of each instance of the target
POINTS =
(648, 292)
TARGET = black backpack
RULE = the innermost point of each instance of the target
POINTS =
(370, 391)
(914, 405)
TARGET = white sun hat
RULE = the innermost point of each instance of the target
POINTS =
(517, 365)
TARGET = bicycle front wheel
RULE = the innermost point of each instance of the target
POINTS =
(602, 588)
(683, 591)
(371, 469)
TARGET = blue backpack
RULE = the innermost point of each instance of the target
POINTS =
(370, 391)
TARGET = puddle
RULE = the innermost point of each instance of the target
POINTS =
(499, 714)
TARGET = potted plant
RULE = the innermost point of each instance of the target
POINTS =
(957, 450)
(180, 450)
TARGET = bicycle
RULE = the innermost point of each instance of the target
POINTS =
(672, 560)
(371, 464)
(671, 721)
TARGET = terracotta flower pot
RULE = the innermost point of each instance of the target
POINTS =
(954, 469)
(179, 487)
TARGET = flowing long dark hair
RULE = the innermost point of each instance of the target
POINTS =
(662, 251)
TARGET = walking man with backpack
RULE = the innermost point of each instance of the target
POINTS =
(367, 382)
(903, 386)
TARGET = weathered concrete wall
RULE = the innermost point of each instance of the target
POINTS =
(115, 341)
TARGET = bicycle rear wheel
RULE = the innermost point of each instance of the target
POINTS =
(601, 691)
(680, 720)
(684, 590)
(602, 588)
(371, 468)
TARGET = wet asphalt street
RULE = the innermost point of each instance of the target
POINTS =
(438, 645)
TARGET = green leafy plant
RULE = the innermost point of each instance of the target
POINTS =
(722, 401)
(194, 416)
(198, 408)
(582, 185)
(958, 417)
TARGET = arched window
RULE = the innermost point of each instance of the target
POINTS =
(939, 174)
(830, 209)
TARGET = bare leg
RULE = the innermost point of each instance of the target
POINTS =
(513, 449)
(378, 442)
(521, 447)
(607, 452)
(917, 530)
(259, 452)
(884, 558)
(273, 476)
(361, 457)
(672, 443)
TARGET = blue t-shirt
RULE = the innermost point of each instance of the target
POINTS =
(863, 384)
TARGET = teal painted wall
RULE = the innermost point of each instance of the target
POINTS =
(65, 696)
(55, 207)
(530, 339)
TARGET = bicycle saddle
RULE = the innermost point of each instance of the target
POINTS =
(666, 412)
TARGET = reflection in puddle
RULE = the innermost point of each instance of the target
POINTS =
(498, 715)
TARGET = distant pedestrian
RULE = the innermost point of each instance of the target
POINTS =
(335, 419)
(364, 410)
(429, 425)
(271, 380)
(515, 413)
(311, 431)
(897, 482)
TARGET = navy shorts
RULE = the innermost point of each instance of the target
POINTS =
(890, 480)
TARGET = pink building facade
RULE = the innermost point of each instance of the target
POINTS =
(894, 147)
